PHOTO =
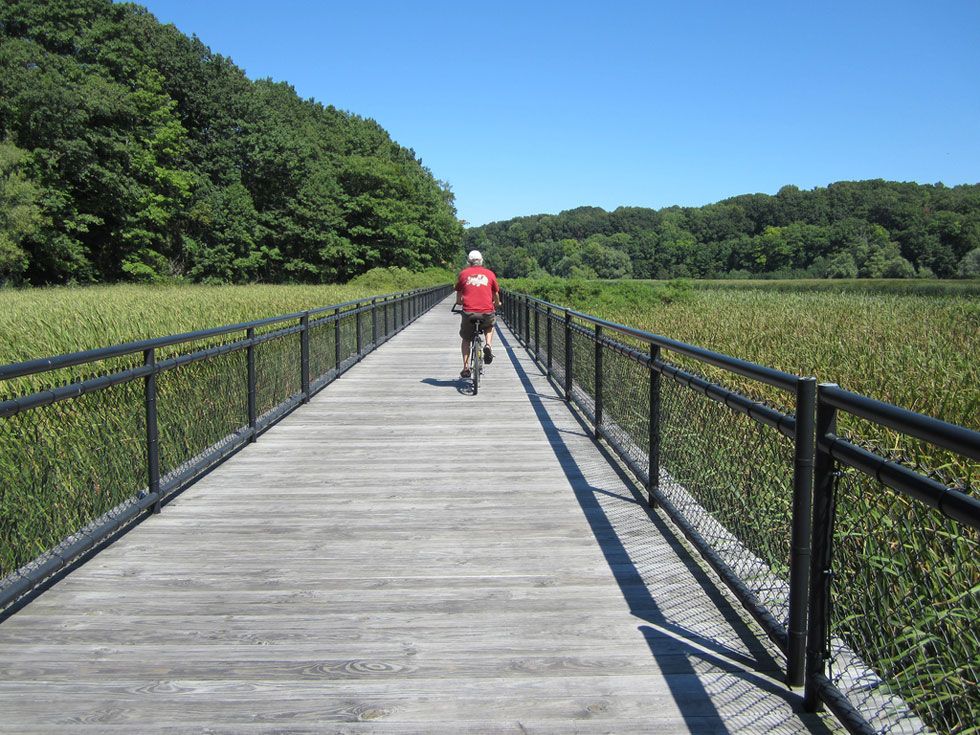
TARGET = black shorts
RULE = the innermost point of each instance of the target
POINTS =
(467, 327)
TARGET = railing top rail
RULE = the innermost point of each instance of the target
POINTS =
(761, 373)
(940, 433)
(44, 364)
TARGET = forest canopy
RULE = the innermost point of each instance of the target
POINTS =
(129, 151)
(860, 229)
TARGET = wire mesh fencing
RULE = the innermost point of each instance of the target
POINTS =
(897, 544)
(729, 478)
(90, 441)
(905, 614)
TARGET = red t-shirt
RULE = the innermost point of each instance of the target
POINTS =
(477, 285)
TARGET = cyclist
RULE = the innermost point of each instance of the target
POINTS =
(478, 293)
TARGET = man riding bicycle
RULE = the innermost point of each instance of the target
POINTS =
(478, 293)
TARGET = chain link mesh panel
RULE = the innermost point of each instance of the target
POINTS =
(583, 367)
(348, 335)
(64, 466)
(198, 406)
(558, 347)
(277, 372)
(322, 350)
(732, 479)
(905, 610)
(626, 405)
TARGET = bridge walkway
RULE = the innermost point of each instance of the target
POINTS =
(400, 556)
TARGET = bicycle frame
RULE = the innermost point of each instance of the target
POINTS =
(476, 352)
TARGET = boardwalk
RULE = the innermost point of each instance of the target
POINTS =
(399, 557)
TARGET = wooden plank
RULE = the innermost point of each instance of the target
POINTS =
(400, 556)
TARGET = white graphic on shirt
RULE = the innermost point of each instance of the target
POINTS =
(479, 280)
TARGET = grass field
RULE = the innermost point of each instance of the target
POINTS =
(51, 321)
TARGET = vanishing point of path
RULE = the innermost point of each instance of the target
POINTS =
(399, 556)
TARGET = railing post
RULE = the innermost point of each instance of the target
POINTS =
(374, 322)
(357, 326)
(403, 311)
(537, 335)
(653, 445)
(527, 322)
(250, 360)
(152, 430)
(519, 306)
(336, 340)
(598, 380)
(568, 355)
(803, 440)
(821, 572)
(547, 327)
(304, 355)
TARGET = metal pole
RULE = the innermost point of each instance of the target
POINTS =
(250, 358)
(527, 322)
(806, 397)
(304, 356)
(598, 379)
(821, 574)
(547, 325)
(152, 430)
(357, 327)
(537, 335)
(336, 340)
(568, 355)
(653, 446)
(374, 322)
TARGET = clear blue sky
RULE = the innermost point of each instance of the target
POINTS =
(531, 107)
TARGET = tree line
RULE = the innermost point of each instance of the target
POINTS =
(129, 151)
(859, 229)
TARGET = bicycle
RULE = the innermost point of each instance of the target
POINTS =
(476, 350)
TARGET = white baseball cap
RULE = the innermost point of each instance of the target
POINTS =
(475, 256)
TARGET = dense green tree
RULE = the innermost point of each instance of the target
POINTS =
(150, 157)
(20, 213)
(869, 228)
(969, 266)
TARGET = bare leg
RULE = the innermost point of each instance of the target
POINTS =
(466, 353)
(489, 336)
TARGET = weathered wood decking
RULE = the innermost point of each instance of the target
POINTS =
(399, 556)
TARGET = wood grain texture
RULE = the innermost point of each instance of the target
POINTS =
(399, 556)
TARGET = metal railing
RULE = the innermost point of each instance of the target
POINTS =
(90, 441)
(736, 475)
(897, 539)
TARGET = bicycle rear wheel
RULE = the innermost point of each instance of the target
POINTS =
(475, 365)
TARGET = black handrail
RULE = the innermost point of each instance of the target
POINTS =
(71, 359)
(761, 373)
(955, 438)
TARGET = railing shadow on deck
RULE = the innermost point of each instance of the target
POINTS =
(704, 654)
